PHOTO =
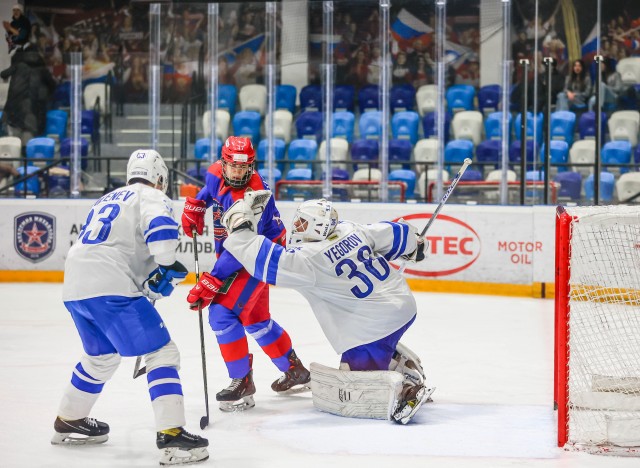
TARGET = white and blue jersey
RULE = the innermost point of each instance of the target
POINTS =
(128, 232)
(355, 294)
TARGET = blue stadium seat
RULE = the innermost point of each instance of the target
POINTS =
(403, 175)
(247, 124)
(302, 150)
(370, 125)
(530, 127)
(338, 193)
(311, 98)
(299, 173)
(339, 174)
(404, 126)
(89, 122)
(471, 175)
(489, 152)
(286, 97)
(558, 152)
(400, 154)
(460, 97)
(616, 152)
(277, 173)
(457, 151)
(59, 184)
(279, 150)
(62, 95)
(607, 184)
(570, 185)
(489, 97)
(42, 147)
(365, 151)
(56, 124)
(587, 125)
(343, 125)
(227, 97)
(563, 126)
(202, 147)
(429, 125)
(493, 126)
(514, 152)
(65, 150)
(32, 183)
(309, 125)
(402, 98)
(343, 97)
(636, 155)
(368, 98)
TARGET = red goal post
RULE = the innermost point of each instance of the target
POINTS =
(597, 329)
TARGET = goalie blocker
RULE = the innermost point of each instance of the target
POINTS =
(395, 395)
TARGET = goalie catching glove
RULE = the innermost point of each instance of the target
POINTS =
(242, 214)
(163, 280)
(202, 294)
(418, 255)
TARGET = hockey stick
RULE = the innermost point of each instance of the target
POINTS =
(445, 197)
(204, 421)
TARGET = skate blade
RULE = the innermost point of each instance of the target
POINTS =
(426, 395)
(303, 388)
(69, 438)
(239, 405)
(177, 456)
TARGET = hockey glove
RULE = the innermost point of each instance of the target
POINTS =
(193, 216)
(163, 279)
(202, 294)
(419, 254)
(239, 216)
(257, 200)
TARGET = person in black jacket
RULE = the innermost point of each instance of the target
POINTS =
(30, 89)
(18, 29)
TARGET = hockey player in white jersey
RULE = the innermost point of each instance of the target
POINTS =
(362, 303)
(124, 256)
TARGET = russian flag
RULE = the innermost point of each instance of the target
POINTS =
(407, 27)
(590, 44)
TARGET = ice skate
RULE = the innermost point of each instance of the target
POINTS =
(179, 447)
(413, 397)
(84, 431)
(295, 379)
(238, 395)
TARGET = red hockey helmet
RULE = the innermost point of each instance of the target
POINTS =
(238, 156)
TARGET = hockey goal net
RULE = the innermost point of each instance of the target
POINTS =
(597, 350)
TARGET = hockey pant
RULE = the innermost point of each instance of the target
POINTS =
(246, 307)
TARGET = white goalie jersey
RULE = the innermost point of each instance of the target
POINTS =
(126, 234)
(355, 294)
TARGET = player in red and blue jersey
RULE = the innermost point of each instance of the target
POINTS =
(238, 301)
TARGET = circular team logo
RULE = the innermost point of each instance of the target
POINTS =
(34, 237)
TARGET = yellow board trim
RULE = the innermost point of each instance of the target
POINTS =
(537, 290)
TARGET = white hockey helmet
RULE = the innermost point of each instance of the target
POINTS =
(314, 220)
(147, 164)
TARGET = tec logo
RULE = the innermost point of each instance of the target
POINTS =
(34, 235)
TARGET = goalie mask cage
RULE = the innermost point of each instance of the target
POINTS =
(597, 337)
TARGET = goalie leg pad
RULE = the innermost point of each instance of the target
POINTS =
(408, 364)
(355, 394)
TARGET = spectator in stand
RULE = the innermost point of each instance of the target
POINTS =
(577, 88)
(401, 72)
(18, 30)
(359, 68)
(28, 96)
(612, 86)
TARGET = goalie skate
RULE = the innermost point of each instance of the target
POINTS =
(238, 396)
(413, 398)
(295, 380)
(86, 431)
(179, 447)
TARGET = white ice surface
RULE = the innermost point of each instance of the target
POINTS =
(489, 357)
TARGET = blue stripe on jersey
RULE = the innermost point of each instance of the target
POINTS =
(165, 389)
(272, 269)
(262, 259)
(162, 373)
(160, 221)
(400, 232)
(85, 386)
(164, 234)
(403, 247)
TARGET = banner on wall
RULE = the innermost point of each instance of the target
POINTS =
(490, 244)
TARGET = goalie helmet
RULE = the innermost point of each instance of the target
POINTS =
(238, 156)
(314, 220)
(147, 164)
